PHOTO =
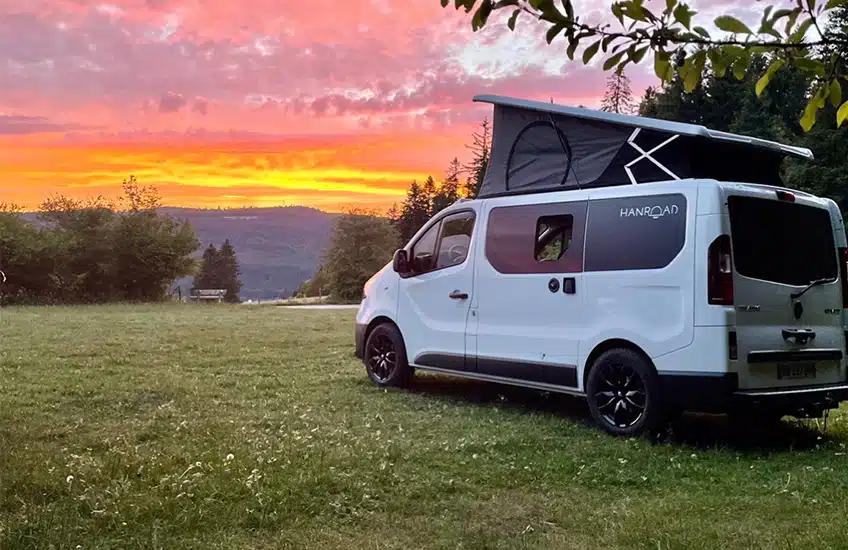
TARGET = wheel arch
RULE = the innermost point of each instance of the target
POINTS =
(379, 320)
(613, 343)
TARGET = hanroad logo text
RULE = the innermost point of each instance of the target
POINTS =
(654, 212)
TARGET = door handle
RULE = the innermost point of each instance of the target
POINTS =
(457, 295)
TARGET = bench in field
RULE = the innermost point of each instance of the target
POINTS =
(206, 295)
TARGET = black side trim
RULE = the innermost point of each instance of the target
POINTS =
(559, 375)
(795, 355)
(444, 361)
(698, 391)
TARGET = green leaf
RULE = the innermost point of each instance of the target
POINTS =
(764, 80)
(732, 51)
(835, 93)
(731, 24)
(554, 31)
(799, 33)
(809, 118)
(662, 68)
(638, 55)
(740, 67)
(684, 15)
(835, 4)
(572, 47)
(811, 4)
(445, 3)
(720, 62)
(810, 65)
(702, 31)
(512, 19)
(569, 9)
(842, 114)
(780, 14)
(481, 15)
(793, 16)
(618, 12)
(467, 4)
(606, 42)
(669, 5)
(590, 52)
(636, 11)
(693, 69)
(608, 64)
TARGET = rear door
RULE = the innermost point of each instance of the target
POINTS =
(786, 288)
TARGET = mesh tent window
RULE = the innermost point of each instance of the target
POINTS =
(540, 155)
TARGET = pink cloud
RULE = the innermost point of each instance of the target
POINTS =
(322, 67)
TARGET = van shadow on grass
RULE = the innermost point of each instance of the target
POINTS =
(742, 434)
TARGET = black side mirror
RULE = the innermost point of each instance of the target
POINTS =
(400, 261)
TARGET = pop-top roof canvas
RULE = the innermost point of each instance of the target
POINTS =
(540, 146)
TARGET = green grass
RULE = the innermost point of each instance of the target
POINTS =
(236, 427)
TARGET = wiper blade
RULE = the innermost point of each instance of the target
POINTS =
(815, 282)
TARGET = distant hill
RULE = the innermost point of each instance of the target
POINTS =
(277, 248)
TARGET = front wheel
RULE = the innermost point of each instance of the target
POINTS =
(623, 391)
(385, 357)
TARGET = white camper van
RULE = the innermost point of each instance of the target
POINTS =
(651, 267)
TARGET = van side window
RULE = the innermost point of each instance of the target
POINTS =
(536, 238)
(455, 239)
(424, 248)
(553, 237)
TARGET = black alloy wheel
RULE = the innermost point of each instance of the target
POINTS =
(623, 391)
(385, 357)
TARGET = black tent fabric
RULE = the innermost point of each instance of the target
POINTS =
(538, 147)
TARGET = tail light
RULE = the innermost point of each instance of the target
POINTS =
(720, 272)
(843, 275)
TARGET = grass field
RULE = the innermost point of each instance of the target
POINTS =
(236, 427)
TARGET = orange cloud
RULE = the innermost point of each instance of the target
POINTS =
(373, 172)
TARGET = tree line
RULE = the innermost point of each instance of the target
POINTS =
(99, 250)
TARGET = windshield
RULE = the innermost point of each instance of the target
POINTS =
(782, 242)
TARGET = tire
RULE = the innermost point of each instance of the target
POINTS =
(385, 357)
(624, 396)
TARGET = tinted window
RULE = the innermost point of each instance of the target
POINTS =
(422, 250)
(782, 242)
(553, 237)
(536, 238)
(455, 239)
(635, 232)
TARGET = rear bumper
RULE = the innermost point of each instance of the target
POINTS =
(720, 393)
(359, 339)
(797, 401)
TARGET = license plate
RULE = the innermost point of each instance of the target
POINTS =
(794, 371)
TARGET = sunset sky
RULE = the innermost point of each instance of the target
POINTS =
(322, 103)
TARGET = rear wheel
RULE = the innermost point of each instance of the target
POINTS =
(385, 357)
(623, 391)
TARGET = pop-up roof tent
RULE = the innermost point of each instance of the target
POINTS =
(539, 147)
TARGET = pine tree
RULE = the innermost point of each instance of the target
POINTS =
(618, 98)
(228, 272)
(414, 213)
(481, 147)
(449, 190)
(205, 278)
(429, 192)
